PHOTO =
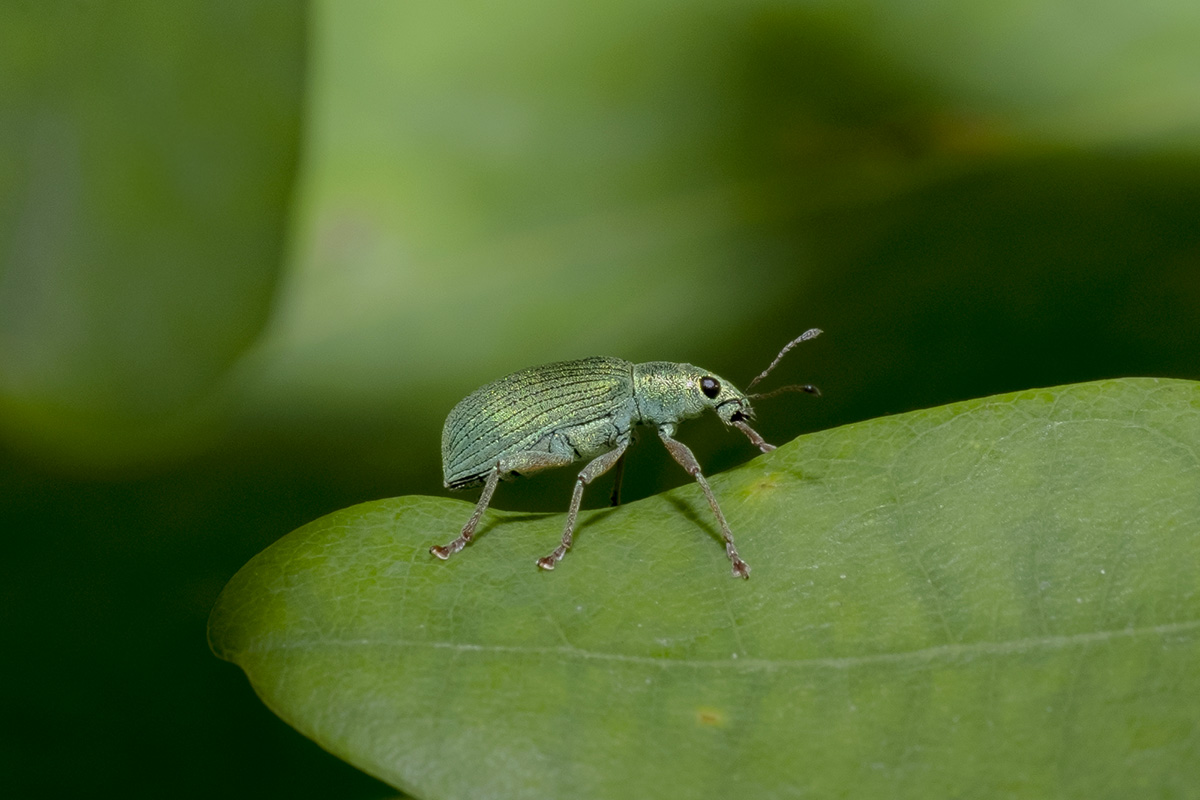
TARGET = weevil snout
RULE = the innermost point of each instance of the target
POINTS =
(741, 414)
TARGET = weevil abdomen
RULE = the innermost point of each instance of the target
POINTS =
(575, 409)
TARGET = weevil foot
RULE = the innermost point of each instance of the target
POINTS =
(740, 568)
(550, 561)
(441, 552)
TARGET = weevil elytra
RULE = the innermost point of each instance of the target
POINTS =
(556, 414)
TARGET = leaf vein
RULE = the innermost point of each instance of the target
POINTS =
(944, 652)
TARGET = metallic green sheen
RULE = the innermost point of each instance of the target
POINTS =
(532, 409)
(577, 409)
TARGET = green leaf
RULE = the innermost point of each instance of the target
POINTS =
(994, 598)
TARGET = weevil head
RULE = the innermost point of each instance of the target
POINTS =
(665, 392)
(668, 392)
(724, 398)
(732, 406)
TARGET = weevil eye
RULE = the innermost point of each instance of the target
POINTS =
(710, 386)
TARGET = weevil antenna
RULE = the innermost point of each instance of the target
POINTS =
(807, 388)
(811, 333)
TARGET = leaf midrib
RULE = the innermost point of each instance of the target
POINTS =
(942, 652)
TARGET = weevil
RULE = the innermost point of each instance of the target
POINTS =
(556, 414)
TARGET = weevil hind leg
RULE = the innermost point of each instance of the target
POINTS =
(681, 453)
(595, 468)
(618, 473)
(526, 462)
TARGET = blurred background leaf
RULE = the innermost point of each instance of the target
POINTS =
(153, 151)
(251, 254)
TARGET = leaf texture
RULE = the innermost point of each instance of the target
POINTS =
(992, 598)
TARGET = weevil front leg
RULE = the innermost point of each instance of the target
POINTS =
(595, 468)
(753, 436)
(526, 462)
(681, 453)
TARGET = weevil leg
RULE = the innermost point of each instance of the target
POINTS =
(618, 474)
(681, 453)
(526, 462)
(468, 532)
(595, 468)
(753, 436)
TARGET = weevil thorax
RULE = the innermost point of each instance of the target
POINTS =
(666, 392)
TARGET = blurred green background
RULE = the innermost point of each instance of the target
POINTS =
(252, 253)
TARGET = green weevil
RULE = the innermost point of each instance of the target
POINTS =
(556, 414)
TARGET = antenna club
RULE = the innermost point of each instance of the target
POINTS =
(811, 333)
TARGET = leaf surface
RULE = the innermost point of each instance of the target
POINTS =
(995, 598)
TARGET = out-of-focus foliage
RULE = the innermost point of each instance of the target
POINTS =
(489, 188)
(150, 149)
(203, 346)
(996, 597)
